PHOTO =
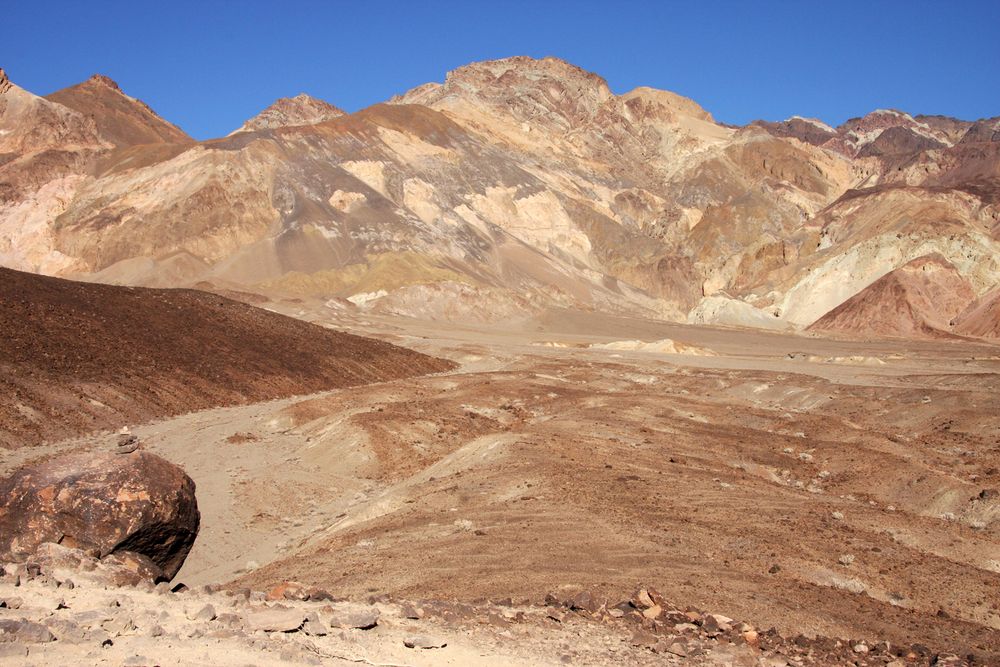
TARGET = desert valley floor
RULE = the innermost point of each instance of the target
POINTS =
(824, 487)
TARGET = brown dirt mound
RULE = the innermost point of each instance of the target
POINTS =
(917, 300)
(79, 357)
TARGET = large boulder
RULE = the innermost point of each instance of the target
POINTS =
(103, 503)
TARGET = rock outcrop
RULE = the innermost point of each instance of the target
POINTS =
(104, 503)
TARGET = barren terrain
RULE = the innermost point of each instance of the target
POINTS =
(824, 487)
(511, 346)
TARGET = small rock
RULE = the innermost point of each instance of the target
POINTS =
(355, 616)
(710, 626)
(12, 603)
(678, 649)
(839, 516)
(860, 648)
(555, 614)
(652, 612)
(644, 639)
(126, 444)
(91, 619)
(314, 627)
(642, 599)
(119, 625)
(584, 601)
(288, 590)
(241, 594)
(882, 647)
(846, 559)
(319, 595)
(275, 619)
(66, 631)
(423, 641)
(724, 623)
(24, 631)
(205, 614)
(229, 620)
(412, 612)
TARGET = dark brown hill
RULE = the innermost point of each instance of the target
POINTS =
(77, 357)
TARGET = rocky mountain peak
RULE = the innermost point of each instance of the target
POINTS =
(302, 109)
(527, 68)
(5, 83)
(121, 120)
(548, 91)
(101, 80)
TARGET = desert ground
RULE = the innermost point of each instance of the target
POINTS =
(595, 378)
(823, 487)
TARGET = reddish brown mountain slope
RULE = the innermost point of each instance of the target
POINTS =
(121, 120)
(917, 300)
(982, 318)
(78, 356)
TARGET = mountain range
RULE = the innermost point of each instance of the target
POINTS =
(514, 187)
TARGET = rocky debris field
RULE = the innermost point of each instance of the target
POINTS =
(52, 614)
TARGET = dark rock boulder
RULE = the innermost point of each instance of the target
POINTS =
(103, 503)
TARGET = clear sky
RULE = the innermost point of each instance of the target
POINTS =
(208, 65)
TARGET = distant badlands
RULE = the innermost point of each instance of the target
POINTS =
(515, 187)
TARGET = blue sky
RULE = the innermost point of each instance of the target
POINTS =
(208, 65)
